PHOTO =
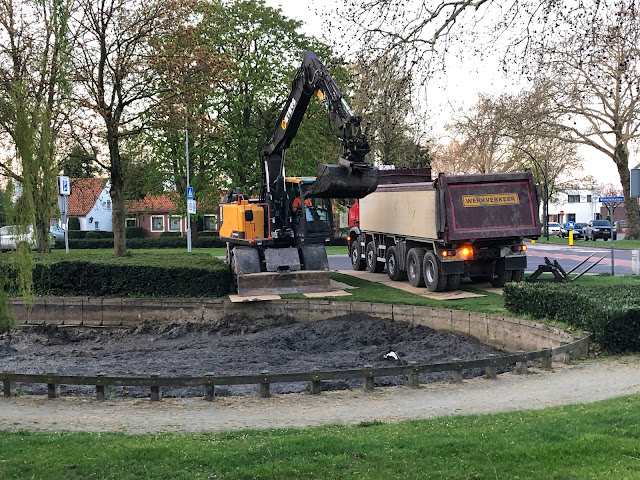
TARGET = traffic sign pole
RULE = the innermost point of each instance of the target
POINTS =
(188, 188)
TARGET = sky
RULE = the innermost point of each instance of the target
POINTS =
(456, 90)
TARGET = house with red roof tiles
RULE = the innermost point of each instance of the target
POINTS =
(90, 202)
(156, 214)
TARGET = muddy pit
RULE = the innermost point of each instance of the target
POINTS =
(236, 345)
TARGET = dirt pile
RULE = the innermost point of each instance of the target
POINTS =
(236, 345)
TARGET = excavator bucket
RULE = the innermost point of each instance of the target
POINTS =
(339, 181)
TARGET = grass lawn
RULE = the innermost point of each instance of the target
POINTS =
(592, 441)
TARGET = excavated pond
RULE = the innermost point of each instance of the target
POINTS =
(235, 345)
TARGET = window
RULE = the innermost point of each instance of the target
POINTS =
(210, 222)
(588, 198)
(573, 198)
(130, 222)
(108, 205)
(571, 217)
(175, 224)
(157, 224)
(96, 225)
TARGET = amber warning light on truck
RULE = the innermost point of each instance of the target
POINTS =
(489, 200)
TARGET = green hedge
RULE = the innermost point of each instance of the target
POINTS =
(134, 232)
(610, 313)
(142, 275)
(137, 243)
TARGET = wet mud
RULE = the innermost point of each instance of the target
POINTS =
(235, 345)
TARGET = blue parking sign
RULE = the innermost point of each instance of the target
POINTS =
(189, 193)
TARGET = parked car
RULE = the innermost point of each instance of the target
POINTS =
(10, 235)
(621, 226)
(57, 233)
(596, 229)
(577, 230)
(554, 228)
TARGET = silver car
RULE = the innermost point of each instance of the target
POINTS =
(14, 234)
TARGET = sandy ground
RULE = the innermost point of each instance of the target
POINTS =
(583, 382)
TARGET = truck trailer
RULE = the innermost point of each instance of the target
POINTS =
(436, 233)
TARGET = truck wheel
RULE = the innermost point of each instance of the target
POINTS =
(435, 280)
(500, 276)
(373, 265)
(453, 282)
(393, 265)
(517, 275)
(415, 258)
(357, 262)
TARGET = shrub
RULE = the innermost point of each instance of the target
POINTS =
(170, 234)
(179, 275)
(92, 234)
(76, 234)
(74, 223)
(134, 232)
(143, 243)
(610, 313)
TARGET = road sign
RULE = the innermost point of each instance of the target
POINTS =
(64, 185)
(191, 206)
(189, 193)
(571, 225)
(610, 199)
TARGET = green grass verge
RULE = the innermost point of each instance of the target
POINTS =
(622, 244)
(594, 441)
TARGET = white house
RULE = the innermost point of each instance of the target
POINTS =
(90, 202)
(580, 205)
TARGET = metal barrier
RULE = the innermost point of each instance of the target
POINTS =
(579, 348)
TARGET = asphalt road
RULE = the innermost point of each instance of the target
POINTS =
(568, 257)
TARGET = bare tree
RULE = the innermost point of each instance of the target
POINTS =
(116, 80)
(591, 89)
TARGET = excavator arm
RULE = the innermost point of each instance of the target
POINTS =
(352, 177)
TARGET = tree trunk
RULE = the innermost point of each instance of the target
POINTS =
(621, 158)
(117, 197)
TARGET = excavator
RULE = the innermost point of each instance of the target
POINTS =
(275, 243)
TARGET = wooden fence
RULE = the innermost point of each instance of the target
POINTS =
(578, 348)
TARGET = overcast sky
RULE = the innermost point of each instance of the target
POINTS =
(458, 89)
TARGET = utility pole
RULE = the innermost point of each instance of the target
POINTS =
(186, 124)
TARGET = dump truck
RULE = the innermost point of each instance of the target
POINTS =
(437, 232)
(275, 243)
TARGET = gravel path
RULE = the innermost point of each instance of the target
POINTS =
(583, 382)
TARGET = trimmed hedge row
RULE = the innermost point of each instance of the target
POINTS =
(180, 275)
(158, 242)
(137, 243)
(610, 313)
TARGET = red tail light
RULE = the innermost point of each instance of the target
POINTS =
(519, 248)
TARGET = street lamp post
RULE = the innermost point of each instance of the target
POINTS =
(546, 190)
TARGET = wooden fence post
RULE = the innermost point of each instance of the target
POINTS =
(8, 385)
(265, 386)
(491, 371)
(210, 388)
(156, 390)
(368, 380)
(101, 390)
(315, 385)
(521, 367)
(413, 379)
(546, 359)
(53, 389)
(456, 374)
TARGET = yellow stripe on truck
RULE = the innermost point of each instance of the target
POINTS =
(490, 200)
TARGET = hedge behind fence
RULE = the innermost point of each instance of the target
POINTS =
(179, 275)
(610, 313)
